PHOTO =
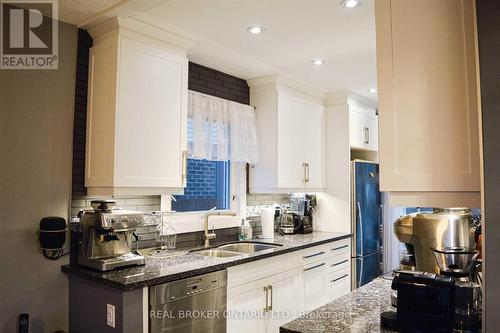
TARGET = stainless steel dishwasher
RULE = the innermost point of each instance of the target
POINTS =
(193, 305)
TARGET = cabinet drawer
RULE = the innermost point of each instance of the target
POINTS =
(252, 271)
(339, 248)
(336, 267)
(339, 286)
(313, 254)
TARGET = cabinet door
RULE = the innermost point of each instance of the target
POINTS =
(283, 300)
(151, 117)
(356, 131)
(313, 135)
(290, 168)
(246, 308)
(312, 285)
(370, 133)
(428, 109)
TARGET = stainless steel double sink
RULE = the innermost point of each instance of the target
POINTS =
(237, 249)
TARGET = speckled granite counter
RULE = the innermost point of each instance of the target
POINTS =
(157, 271)
(358, 311)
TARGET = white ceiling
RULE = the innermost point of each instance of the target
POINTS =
(297, 31)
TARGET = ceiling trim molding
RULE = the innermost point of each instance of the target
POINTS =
(130, 24)
(277, 79)
(344, 97)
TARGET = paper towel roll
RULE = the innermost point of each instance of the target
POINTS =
(267, 221)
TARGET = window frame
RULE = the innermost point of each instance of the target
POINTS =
(192, 221)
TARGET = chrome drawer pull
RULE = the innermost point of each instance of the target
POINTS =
(314, 255)
(339, 248)
(340, 278)
(270, 307)
(340, 263)
(266, 290)
(316, 266)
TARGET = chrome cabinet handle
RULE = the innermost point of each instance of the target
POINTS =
(313, 255)
(340, 278)
(340, 263)
(304, 165)
(313, 267)
(266, 290)
(339, 248)
(270, 307)
(184, 166)
(366, 132)
(307, 172)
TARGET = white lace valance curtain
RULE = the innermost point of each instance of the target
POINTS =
(219, 129)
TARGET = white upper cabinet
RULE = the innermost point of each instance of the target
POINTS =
(363, 127)
(291, 130)
(428, 104)
(137, 114)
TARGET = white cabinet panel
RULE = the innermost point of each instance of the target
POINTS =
(290, 141)
(283, 299)
(137, 115)
(151, 117)
(370, 133)
(356, 129)
(291, 130)
(363, 129)
(313, 285)
(428, 103)
(245, 306)
(314, 150)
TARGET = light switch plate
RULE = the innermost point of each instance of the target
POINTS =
(110, 315)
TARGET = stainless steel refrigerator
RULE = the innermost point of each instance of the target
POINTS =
(367, 227)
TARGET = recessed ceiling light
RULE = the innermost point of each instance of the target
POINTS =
(318, 61)
(372, 90)
(255, 29)
(351, 3)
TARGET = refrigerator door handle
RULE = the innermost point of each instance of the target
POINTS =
(360, 272)
(358, 205)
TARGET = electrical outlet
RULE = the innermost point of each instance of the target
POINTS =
(110, 315)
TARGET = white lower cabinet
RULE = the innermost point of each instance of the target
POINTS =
(263, 305)
(266, 294)
(312, 285)
(246, 307)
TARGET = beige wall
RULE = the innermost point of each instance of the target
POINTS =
(36, 125)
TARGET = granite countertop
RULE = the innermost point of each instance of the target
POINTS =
(162, 270)
(358, 311)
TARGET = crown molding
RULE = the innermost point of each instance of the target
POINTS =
(129, 24)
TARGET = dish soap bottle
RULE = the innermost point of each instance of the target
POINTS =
(245, 230)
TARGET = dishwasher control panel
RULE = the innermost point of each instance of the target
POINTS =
(172, 291)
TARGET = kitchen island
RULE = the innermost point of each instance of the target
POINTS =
(358, 311)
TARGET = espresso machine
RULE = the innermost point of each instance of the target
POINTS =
(436, 289)
(422, 232)
(445, 302)
(105, 237)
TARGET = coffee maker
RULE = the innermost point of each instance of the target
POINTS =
(299, 219)
(105, 237)
(421, 232)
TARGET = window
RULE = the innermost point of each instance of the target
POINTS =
(207, 182)
(207, 186)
